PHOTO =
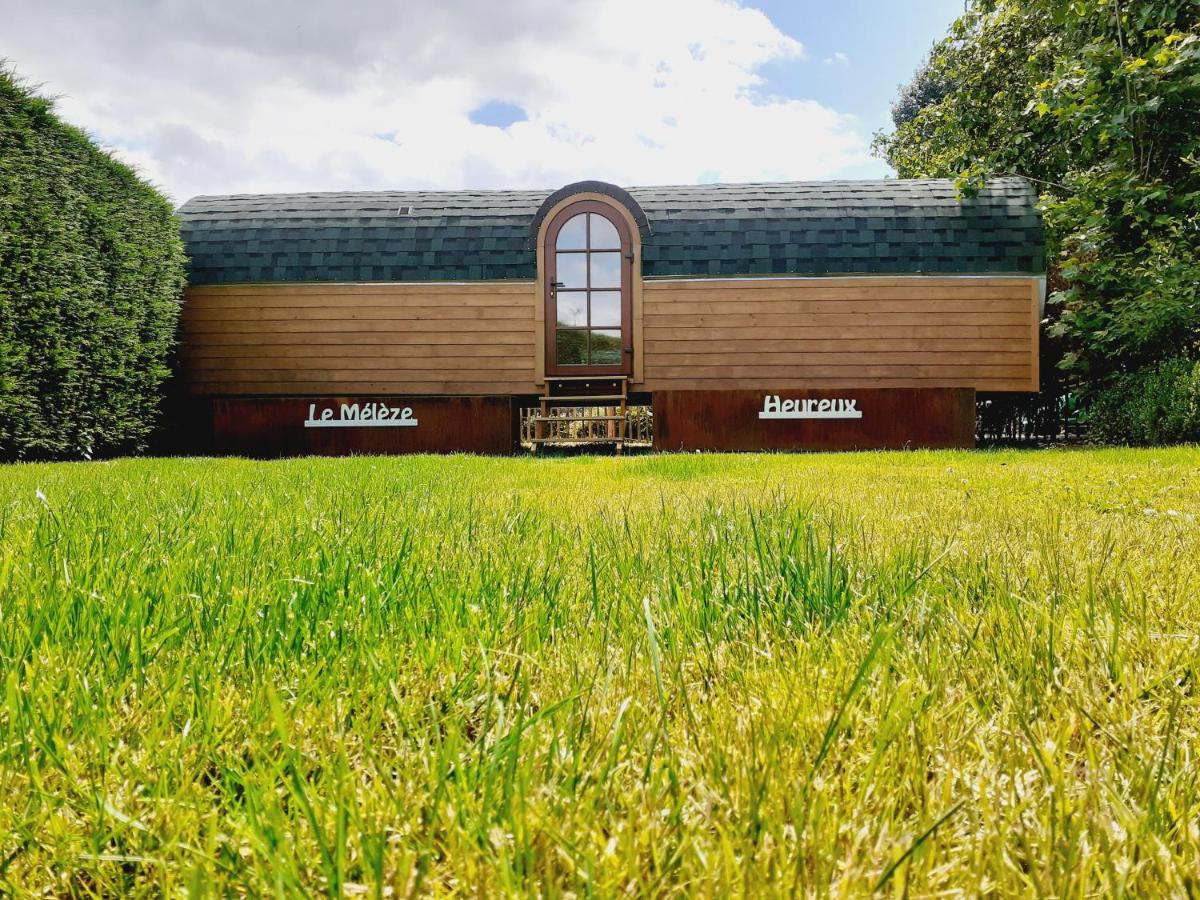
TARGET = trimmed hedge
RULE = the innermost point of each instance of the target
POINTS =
(91, 275)
(1156, 405)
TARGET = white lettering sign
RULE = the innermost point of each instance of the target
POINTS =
(775, 408)
(364, 415)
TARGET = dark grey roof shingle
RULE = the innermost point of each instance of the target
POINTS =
(802, 228)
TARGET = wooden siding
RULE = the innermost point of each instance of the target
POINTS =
(358, 339)
(485, 338)
(876, 332)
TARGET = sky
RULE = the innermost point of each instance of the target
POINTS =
(251, 96)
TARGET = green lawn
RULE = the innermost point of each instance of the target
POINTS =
(696, 674)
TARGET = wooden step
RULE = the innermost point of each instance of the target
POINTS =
(577, 440)
(587, 377)
(577, 399)
(579, 418)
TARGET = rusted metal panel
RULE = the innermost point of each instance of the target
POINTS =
(883, 418)
(336, 426)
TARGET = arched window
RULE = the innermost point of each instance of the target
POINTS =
(588, 258)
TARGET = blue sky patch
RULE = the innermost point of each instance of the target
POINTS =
(497, 114)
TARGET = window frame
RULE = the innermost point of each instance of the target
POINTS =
(550, 257)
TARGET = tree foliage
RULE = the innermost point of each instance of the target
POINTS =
(1158, 405)
(929, 86)
(91, 270)
(1098, 103)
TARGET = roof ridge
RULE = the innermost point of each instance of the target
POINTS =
(867, 186)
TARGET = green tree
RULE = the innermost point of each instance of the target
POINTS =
(929, 85)
(1098, 103)
(91, 273)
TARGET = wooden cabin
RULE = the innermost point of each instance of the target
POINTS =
(823, 315)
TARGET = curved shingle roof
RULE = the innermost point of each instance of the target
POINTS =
(803, 228)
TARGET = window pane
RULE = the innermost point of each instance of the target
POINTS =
(604, 234)
(570, 269)
(606, 309)
(606, 270)
(572, 309)
(572, 348)
(606, 348)
(571, 236)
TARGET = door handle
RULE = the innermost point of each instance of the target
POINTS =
(629, 350)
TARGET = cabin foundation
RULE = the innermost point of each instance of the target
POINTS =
(884, 419)
(891, 419)
(337, 426)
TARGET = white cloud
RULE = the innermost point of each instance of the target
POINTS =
(838, 58)
(254, 95)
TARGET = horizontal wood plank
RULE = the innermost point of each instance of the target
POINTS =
(318, 300)
(348, 375)
(949, 296)
(863, 318)
(337, 338)
(323, 387)
(477, 326)
(844, 357)
(663, 285)
(794, 305)
(777, 383)
(431, 354)
(450, 366)
(666, 347)
(356, 289)
(883, 370)
(846, 332)
(345, 313)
